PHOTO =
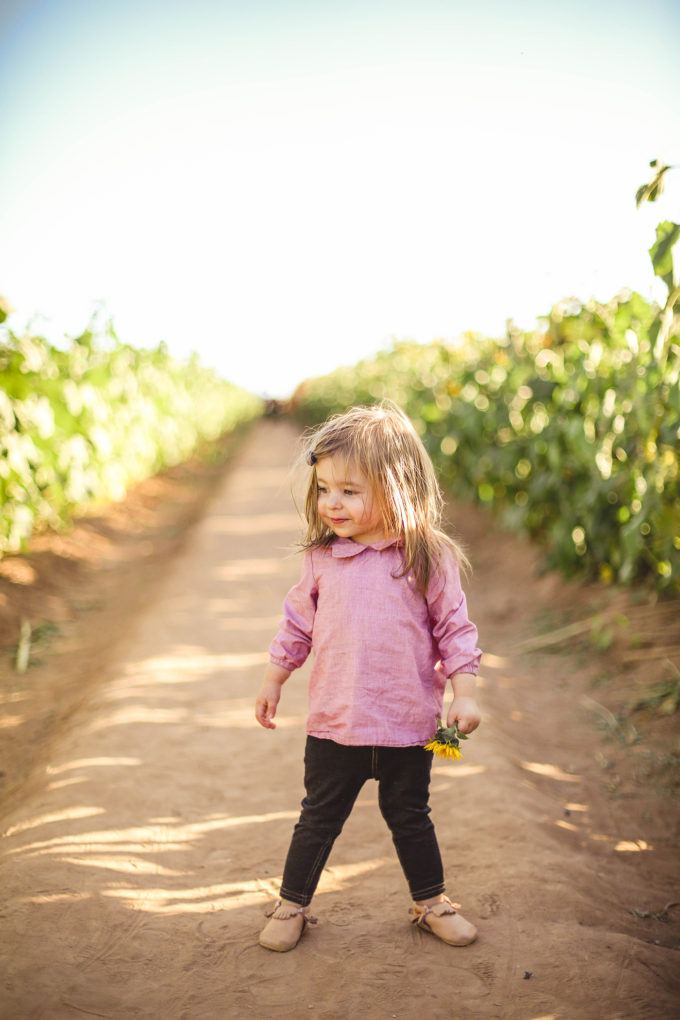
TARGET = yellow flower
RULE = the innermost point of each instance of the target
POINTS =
(445, 742)
(443, 750)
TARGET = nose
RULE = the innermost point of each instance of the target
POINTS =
(334, 499)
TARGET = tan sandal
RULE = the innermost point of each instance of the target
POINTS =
(285, 927)
(443, 920)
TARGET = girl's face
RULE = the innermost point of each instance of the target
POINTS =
(346, 502)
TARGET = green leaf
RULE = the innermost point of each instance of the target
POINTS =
(650, 192)
(667, 234)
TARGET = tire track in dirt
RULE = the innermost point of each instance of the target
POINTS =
(137, 871)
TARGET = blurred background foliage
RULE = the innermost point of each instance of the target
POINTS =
(571, 432)
(80, 423)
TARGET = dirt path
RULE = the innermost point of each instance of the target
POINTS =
(136, 871)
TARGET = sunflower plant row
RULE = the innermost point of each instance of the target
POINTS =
(571, 431)
(81, 422)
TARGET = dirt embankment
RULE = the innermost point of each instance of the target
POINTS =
(146, 815)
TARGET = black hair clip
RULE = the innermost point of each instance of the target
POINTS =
(311, 458)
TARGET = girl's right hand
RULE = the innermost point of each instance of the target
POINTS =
(270, 693)
(265, 705)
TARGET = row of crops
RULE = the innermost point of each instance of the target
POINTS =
(571, 432)
(79, 423)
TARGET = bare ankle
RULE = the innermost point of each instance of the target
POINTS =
(431, 901)
(290, 903)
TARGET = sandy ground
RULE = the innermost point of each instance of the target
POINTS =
(138, 860)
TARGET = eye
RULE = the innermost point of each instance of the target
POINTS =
(320, 489)
(349, 492)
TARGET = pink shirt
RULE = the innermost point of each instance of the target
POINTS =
(382, 651)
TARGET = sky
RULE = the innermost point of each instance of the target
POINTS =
(285, 186)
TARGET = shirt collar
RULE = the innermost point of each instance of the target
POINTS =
(342, 548)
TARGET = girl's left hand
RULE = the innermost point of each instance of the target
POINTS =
(465, 713)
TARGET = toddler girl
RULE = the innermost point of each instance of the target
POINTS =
(381, 606)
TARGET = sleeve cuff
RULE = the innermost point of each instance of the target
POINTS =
(467, 667)
(284, 663)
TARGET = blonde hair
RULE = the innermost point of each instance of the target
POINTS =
(381, 441)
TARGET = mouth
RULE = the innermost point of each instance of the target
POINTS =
(337, 521)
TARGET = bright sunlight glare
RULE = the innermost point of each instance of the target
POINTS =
(286, 186)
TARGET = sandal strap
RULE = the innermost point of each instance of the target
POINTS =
(440, 909)
(281, 913)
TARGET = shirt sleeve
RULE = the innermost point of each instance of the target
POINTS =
(455, 634)
(293, 643)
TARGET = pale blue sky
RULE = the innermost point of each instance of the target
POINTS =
(284, 187)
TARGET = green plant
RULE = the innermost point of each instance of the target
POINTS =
(661, 253)
(80, 423)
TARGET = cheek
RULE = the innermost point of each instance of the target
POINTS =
(368, 510)
(357, 507)
(376, 512)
